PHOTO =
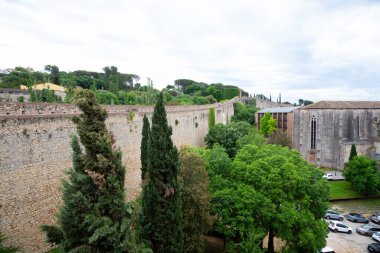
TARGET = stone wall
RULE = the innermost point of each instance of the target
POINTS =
(336, 131)
(35, 150)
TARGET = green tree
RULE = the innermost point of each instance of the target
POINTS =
(197, 220)
(243, 112)
(353, 152)
(161, 216)
(267, 124)
(363, 175)
(273, 191)
(94, 216)
(144, 146)
(227, 136)
(54, 73)
(293, 196)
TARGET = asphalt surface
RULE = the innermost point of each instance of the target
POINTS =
(349, 243)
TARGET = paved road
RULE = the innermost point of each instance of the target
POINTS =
(337, 175)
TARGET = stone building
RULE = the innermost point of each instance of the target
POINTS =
(12, 95)
(283, 116)
(324, 132)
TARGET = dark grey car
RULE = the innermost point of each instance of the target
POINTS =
(332, 215)
(367, 230)
(355, 217)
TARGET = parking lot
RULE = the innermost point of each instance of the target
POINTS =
(350, 243)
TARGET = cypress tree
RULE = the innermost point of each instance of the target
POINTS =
(144, 146)
(161, 216)
(94, 216)
(352, 152)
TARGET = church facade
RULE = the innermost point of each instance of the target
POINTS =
(324, 132)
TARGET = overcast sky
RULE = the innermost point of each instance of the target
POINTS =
(315, 50)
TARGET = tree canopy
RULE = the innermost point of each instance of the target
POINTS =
(227, 136)
(363, 174)
(270, 190)
(268, 124)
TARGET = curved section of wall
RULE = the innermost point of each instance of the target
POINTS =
(35, 150)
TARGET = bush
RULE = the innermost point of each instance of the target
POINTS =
(363, 174)
(227, 136)
(106, 97)
(279, 138)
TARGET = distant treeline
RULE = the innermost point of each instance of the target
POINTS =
(113, 87)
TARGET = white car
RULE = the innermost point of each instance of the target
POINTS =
(376, 236)
(327, 250)
(328, 176)
(337, 226)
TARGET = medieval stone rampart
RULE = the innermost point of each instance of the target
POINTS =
(35, 150)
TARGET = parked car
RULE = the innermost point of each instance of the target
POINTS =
(355, 217)
(375, 218)
(374, 247)
(327, 250)
(367, 230)
(337, 226)
(332, 215)
(376, 236)
(328, 176)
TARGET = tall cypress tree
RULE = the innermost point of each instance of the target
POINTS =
(353, 152)
(161, 216)
(94, 216)
(144, 146)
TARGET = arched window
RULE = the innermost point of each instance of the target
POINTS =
(313, 132)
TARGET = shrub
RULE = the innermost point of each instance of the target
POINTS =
(363, 174)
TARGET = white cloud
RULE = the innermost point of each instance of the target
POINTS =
(312, 50)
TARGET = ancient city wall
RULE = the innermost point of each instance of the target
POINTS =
(35, 150)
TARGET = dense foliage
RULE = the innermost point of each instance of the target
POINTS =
(227, 136)
(244, 112)
(161, 216)
(362, 172)
(195, 196)
(268, 124)
(94, 216)
(266, 190)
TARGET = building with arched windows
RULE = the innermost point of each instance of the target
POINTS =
(324, 132)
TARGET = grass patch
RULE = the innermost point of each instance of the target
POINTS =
(342, 190)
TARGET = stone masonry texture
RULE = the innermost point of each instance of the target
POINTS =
(35, 151)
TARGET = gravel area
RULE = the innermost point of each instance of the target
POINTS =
(349, 243)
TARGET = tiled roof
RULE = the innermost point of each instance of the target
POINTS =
(343, 105)
(278, 109)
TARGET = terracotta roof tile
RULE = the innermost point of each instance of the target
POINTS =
(343, 105)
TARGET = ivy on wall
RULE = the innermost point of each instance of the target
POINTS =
(211, 118)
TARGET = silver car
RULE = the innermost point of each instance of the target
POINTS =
(375, 218)
(367, 230)
(332, 215)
